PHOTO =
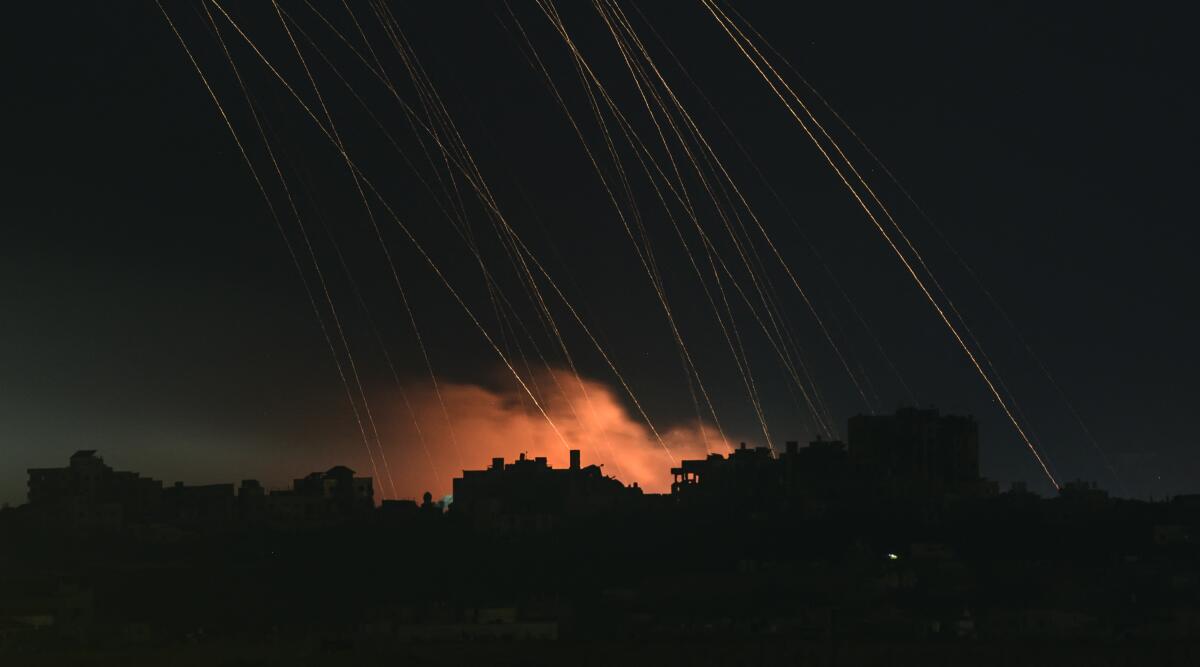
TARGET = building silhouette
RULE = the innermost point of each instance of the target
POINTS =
(319, 495)
(917, 452)
(88, 494)
(912, 455)
(746, 477)
(202, 505)
(528, 495)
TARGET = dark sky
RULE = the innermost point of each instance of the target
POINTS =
(149, 308)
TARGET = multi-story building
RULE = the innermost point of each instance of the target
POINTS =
(913, 454)
(528, 495)
(917, 451)
(88, 494)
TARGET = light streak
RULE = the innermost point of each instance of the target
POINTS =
(738, 40)
(291, 251)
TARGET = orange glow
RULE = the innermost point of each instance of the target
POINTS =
(490, 423)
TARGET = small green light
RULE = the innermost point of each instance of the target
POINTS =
(893, 557)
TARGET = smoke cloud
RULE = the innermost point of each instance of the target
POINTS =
(479, 423)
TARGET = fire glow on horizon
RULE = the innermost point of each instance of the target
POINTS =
(426, 450)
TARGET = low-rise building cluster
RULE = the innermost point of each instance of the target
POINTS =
(89, 496)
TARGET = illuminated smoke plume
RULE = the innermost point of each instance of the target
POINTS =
(486, 423)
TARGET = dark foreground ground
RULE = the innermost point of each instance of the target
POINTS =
(752, 652)
(994, 583)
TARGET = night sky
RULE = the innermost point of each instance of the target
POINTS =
(150, 308)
